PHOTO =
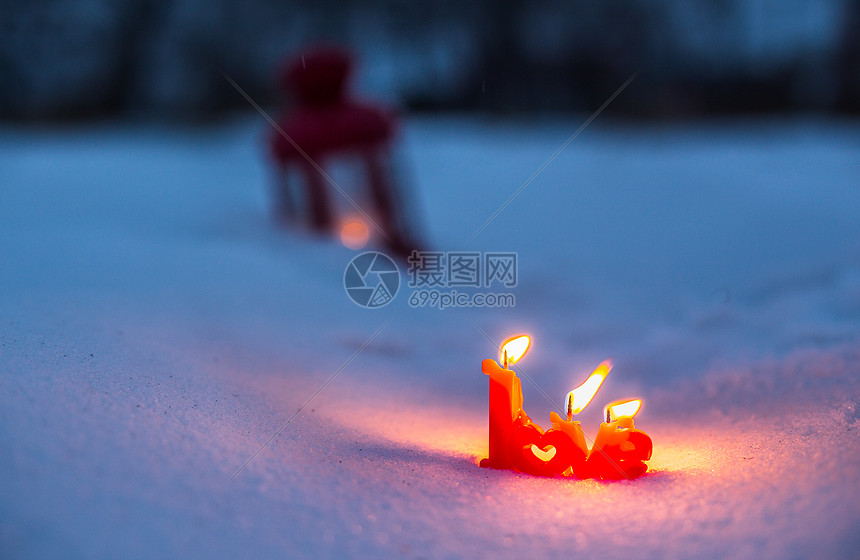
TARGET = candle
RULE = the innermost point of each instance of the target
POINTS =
(577, 400)
(516, 443)
(579, 449)
(508, 422)
(506, 412)
(619, 450)
(549, 453)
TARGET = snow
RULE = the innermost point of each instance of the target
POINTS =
(156, 331)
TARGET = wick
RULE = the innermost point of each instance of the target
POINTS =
(607, 414)
(506, 359)
(569, 408)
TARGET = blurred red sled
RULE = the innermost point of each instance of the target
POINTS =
(325, 124)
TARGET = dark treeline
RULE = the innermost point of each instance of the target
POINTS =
(88, 58)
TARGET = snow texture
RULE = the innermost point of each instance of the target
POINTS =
(156, 331)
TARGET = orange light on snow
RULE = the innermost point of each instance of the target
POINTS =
(621, 409)
(354, 234)
(513, 349)
(579, 398)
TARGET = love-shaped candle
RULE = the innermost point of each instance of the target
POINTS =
(516, 443)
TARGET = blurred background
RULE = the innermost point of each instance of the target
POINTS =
(163, 58)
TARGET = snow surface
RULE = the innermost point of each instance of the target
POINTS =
(156, 331)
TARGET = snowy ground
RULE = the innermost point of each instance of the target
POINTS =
(156, 331)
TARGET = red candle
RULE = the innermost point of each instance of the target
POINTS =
(619, 450)
(516, 443)
(579, 449)
(577, 400)
(506, 412)
(506, 406)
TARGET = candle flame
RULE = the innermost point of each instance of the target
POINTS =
(620, 409)
(579, 398)
(513, 349)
